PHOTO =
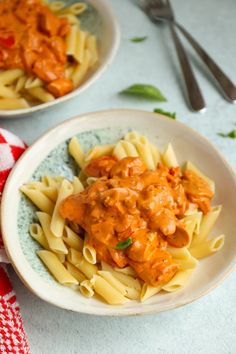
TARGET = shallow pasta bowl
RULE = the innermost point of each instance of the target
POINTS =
(101, 21)
(49, 156)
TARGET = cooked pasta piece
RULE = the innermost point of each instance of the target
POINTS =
(144, 151)
(7, 92)
(98, 151)
(56, 244)
(58, 222)
(189, 263)
(86, 289)
(77, 259)
(91, 45)
(89, 253)
(13, 103)
(77, 8)
(71, 40)
(7, 77)
(80, 46)
(127, 280)
(76, 151)
(107, 292)
(207, 247)
(129, 148)
(41, 94)
(179, 253)
(192, 223)
(91, 180)
(72, 239)
(77, 185)
(148, 291)
(207, 224)
(36, 232)
(119, 151)
(129, 292)
(169, 157)
(75, 272)
(72, 19)
(56, 5)
(39, 199)
(81, 69)
(127, 271)
(179, 281)
(56, 268)
(61, 257)
(33, 82)
(20, 84)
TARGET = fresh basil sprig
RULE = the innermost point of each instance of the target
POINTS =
(171, 115)
(231, 134)
(138, 39)
(124, 244)
(145, 91)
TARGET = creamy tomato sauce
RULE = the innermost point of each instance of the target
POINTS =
(129, 201)
(32, 38)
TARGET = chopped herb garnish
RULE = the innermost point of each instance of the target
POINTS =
(231, 134)
(171, 115)
(124, 244)
(145, 91)
(138, 39)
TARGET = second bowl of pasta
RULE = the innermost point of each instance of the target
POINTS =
(54, 53)
(112, 221)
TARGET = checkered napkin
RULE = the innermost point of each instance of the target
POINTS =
(12, 335)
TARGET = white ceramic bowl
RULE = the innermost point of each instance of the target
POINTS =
(108, 43)
(110, 125)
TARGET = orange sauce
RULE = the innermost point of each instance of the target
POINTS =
(32, 38)
(128, 201)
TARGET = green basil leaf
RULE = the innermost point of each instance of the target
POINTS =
(145, 91)
(138, 39)
(231, 134)
(171, 115)
(124, 244)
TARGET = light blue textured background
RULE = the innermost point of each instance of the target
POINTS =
(209, 324)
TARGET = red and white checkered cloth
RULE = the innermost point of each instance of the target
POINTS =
(12, 335)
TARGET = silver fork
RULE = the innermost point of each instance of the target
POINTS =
(162, 9)
(157, 10)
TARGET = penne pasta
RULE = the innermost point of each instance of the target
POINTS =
(33, 82)
(75, 272)
(98, 151)
(7, 92)
(56, 5)
(36, 232)
(56, 244)
(72, 239)
(40, 94)
(39, 199)
(89, 253)
(77, 8)
(119, 151)
(80, 46)
(148, 291)
(55, 267)
(71, 40)
(77, 259)
(169, 157)
(61, 257)
(91, 45)
(7, 77)
(123, 278)
(179, 281)
(86, 289)
(192, 224)
(129, 292)
(207, 247)
(57, 222)
(145, 153)
(189, 263)
(81, 69)
(129, 148)
(77, 185)
(20, 84)
(76, 151)
(13, 103)
(107, 292)
(207, 223)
